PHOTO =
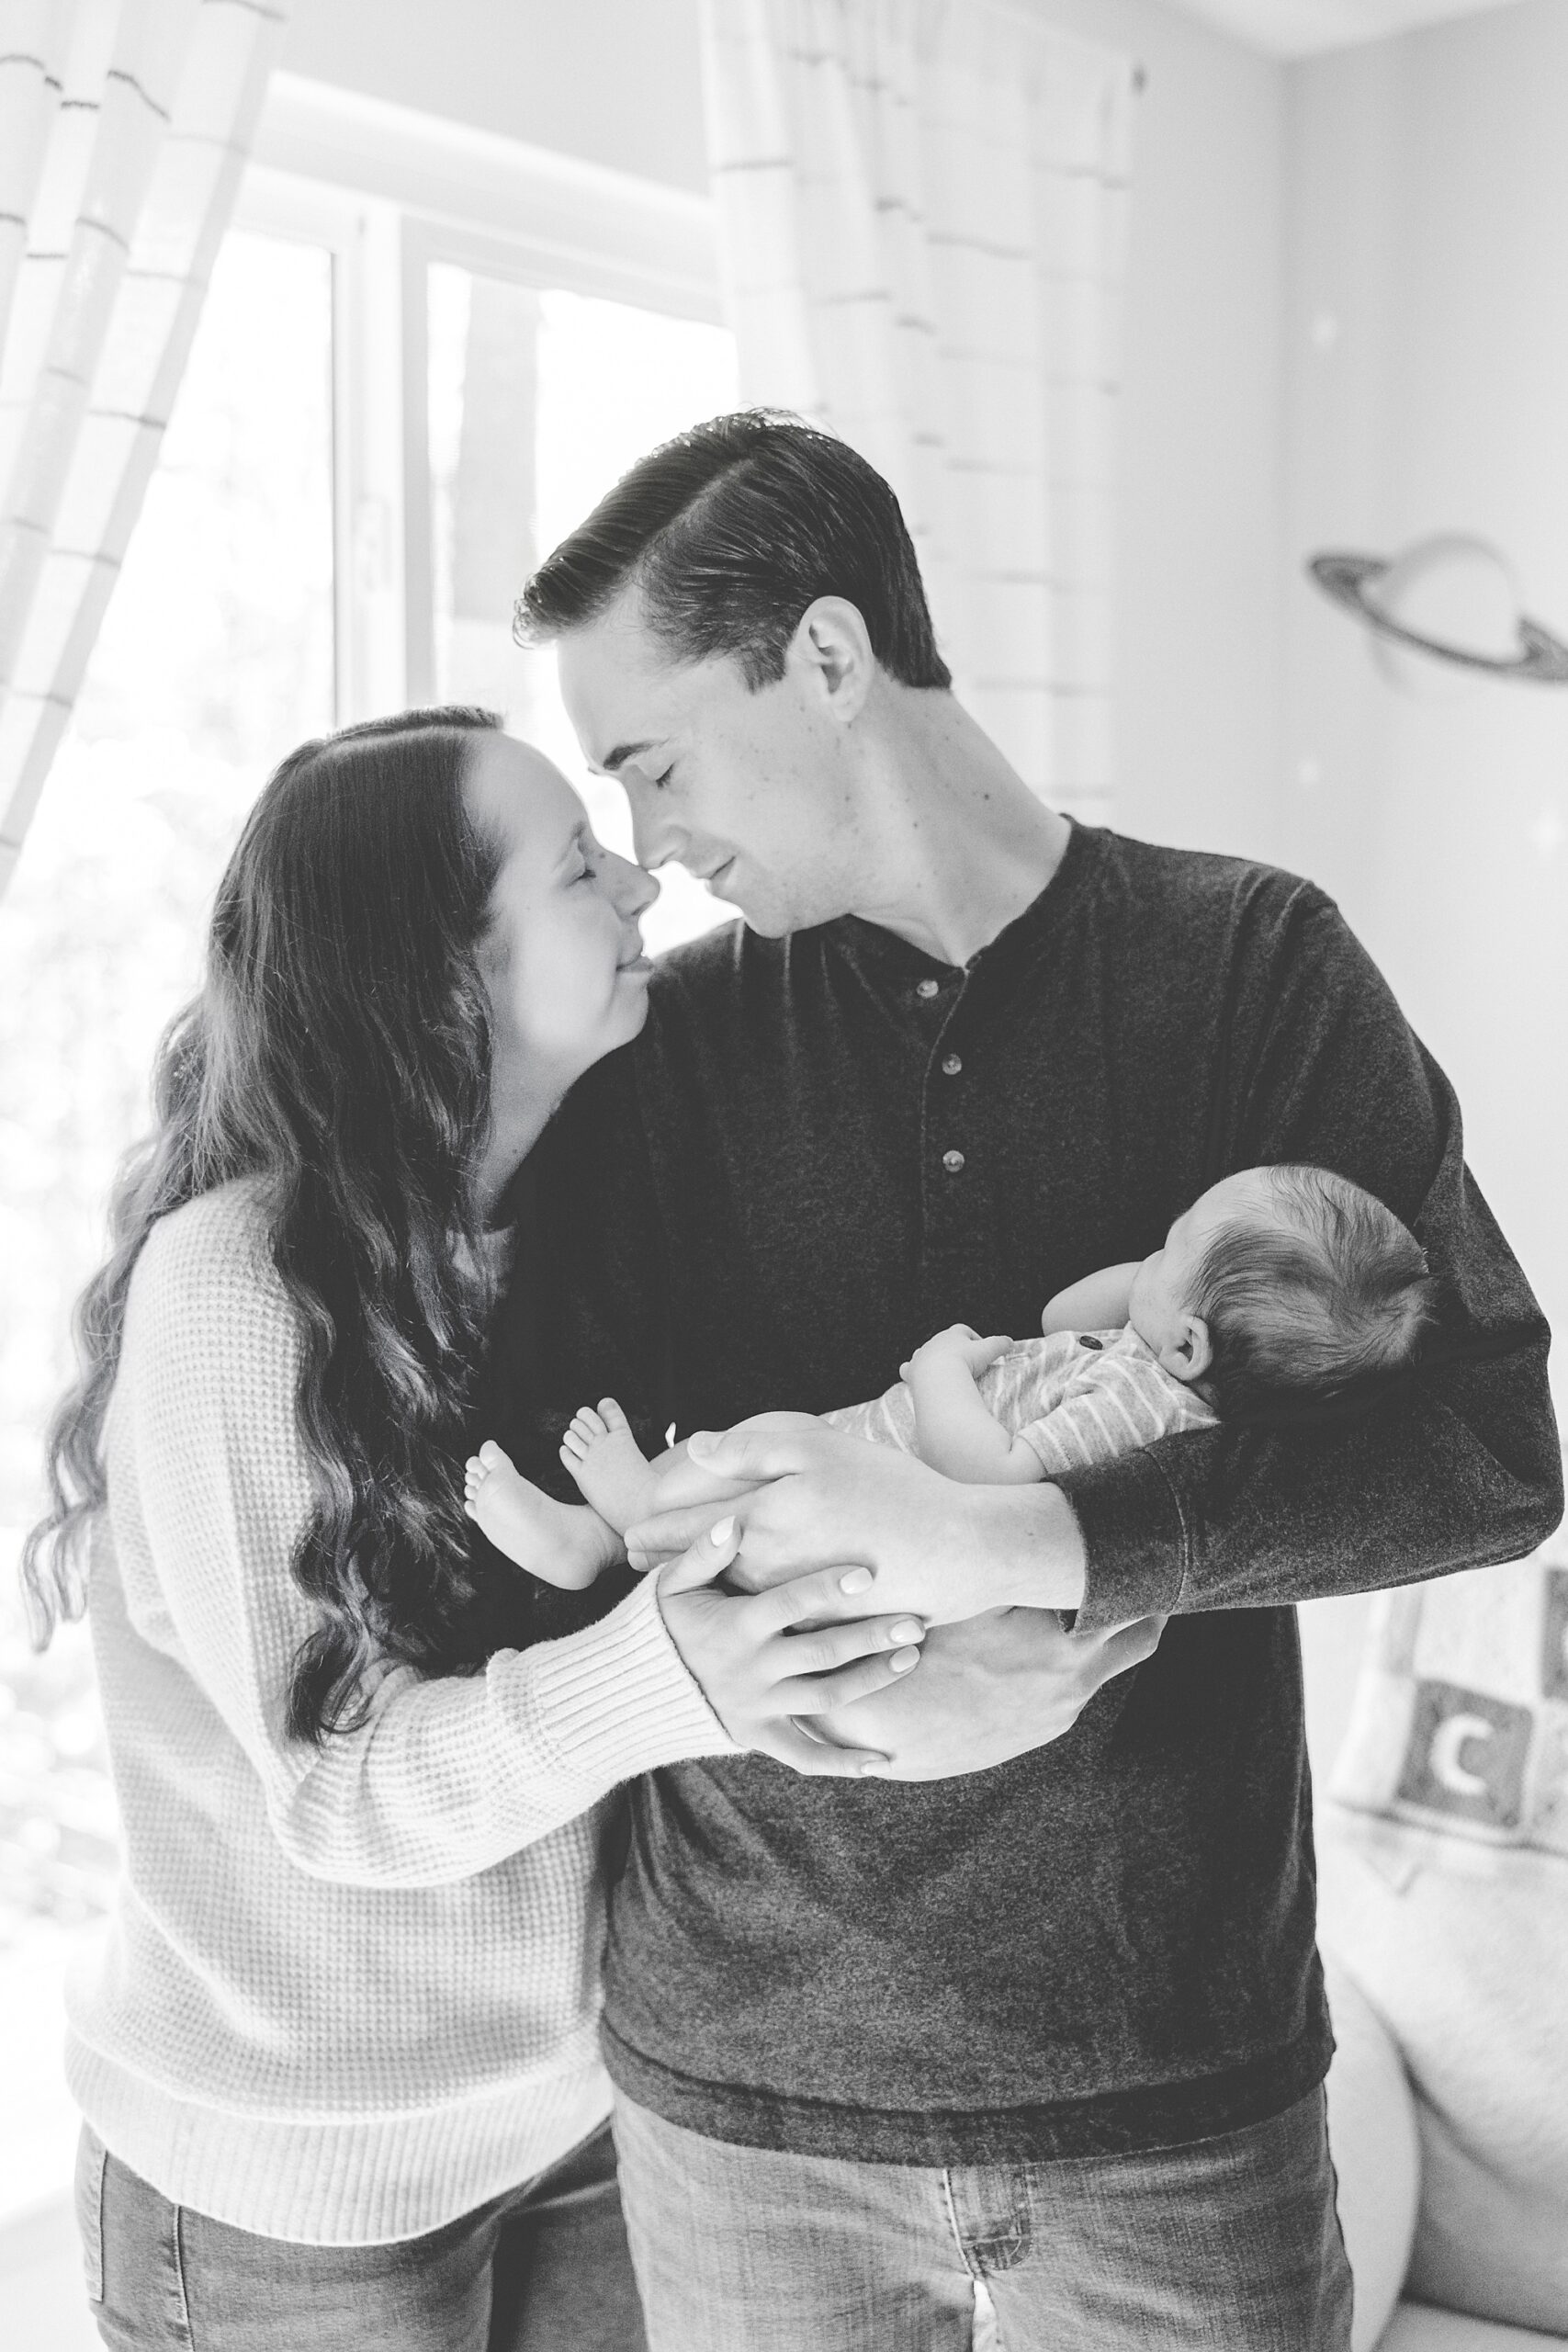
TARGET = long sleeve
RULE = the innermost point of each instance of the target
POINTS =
(1322, 1067)
(445, 1777)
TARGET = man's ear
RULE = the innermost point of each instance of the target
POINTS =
(831, 646)
(1189, 1355)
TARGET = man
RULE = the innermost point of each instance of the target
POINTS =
(1051, 2017)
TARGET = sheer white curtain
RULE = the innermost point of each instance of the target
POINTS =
(923, 210)
(124, 126)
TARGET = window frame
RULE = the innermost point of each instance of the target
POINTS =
(390, 191)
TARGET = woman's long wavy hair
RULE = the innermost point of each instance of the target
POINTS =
(339, 1052)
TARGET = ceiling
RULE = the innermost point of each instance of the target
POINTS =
(1303, 28)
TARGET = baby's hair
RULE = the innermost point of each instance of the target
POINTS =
(1331, 1304)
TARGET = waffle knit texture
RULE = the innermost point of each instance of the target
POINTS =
(351, 1992)
(1074, 1398)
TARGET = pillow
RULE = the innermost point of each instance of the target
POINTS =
(1443, 1854)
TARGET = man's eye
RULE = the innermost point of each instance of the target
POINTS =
(660, 781)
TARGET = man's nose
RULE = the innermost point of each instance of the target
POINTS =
(656, 837)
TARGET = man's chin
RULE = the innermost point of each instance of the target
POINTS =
(775, 921)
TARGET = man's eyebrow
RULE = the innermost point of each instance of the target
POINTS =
(621, 754)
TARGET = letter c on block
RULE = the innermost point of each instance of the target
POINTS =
(1444, 1757)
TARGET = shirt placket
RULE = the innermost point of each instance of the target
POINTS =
(953, 1186)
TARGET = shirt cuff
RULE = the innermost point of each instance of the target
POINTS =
(617, 1699)
(1134, 1542)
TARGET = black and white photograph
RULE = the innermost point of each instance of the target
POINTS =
(783, 1103)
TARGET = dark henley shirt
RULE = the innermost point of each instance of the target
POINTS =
(822, 1149)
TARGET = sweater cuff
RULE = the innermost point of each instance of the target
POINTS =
(617, 1699)
(1134, 1542)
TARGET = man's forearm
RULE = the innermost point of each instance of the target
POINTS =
(1215, 1520)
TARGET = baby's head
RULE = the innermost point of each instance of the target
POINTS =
(1285, 1286)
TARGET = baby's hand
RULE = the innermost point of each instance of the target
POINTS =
(958, 1344)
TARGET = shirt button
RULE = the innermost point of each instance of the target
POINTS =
(926, 988)
(953, 1161)
(952, 1064)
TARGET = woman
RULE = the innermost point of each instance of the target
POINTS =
(338, 2067)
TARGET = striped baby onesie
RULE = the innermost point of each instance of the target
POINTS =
(1075, 1398)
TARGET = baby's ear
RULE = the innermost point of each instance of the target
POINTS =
(1189, 1355)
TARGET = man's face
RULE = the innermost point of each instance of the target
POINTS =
(752, 792)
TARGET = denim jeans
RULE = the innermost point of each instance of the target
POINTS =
(542, 2269)
(1229, 2246)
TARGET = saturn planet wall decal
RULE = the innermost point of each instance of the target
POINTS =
(1451, 600)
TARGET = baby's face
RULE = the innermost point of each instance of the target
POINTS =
(1163, 1283)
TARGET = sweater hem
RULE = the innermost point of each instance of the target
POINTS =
(363, 2181)
(1111, 2123)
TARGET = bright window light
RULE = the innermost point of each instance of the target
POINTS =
(538, 401)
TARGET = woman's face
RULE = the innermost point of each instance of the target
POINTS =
(562, 959)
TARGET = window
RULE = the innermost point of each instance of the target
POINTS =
(538, 399)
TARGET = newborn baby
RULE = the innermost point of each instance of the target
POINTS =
(1278, 1287)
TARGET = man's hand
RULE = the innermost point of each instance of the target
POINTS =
(957, 1344)
(938, 1549)
(989, 1690)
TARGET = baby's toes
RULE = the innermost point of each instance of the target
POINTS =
(586, 1424)
(572, 1446)
(614, 1419)
(490, 1456)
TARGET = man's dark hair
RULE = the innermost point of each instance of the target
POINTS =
(1330, 1304)
(729, 532)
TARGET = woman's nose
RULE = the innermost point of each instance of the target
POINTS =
(635, 889)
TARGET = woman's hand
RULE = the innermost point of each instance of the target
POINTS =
(766, 1661)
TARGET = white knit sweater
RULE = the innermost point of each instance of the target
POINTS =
(349, 1992)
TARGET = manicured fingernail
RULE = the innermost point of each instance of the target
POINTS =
(857, 1581)
(907, 1628)
(701, 1441)
(902, 1660)
(721, 1531)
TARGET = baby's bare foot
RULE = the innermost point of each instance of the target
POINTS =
(607, 1462)
(559, 1543)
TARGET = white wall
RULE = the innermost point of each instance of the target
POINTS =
(1428, 223)
(1198, 645)
(615, 81)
